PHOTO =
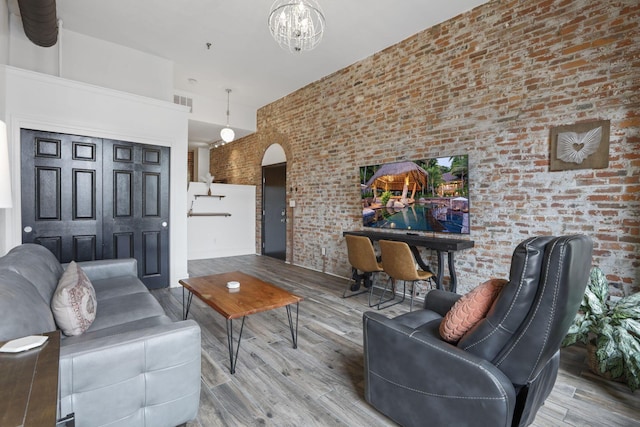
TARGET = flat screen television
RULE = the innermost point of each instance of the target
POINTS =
(420, 195)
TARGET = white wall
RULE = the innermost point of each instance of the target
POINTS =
(4, 32)
(23, 53)
(200, 162)
(221, 236)
(213, 109)
(4, 57)
(90, 60)
(105, 64)
(42, 102)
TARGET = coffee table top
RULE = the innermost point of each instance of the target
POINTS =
(253, 296)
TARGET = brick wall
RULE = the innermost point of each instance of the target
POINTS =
(490, 83)
(190, 165)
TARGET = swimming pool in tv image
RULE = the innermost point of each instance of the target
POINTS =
(425, 195)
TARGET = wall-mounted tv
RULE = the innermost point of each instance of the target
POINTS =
(421, 195)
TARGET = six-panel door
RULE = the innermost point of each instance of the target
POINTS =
(90, 198)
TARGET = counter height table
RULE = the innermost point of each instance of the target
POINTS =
(439, 244)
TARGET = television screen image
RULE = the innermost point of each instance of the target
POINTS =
(421, 195)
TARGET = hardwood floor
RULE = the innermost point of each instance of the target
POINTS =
(321, 382)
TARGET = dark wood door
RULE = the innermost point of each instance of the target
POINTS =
(88, 198)
(136, 207)
(62, 194)
(274, 213)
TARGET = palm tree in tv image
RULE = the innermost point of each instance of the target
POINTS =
(434, 176)
(460, 168)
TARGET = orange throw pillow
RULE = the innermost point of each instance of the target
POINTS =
(469, 310)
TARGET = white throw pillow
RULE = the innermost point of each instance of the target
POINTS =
(74, 301)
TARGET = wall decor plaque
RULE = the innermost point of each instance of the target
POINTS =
(580, 146)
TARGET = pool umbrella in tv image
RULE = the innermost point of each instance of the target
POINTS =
(462, 204)
(399, 176)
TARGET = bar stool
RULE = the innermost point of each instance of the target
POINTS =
(398, 262)
(362, 257)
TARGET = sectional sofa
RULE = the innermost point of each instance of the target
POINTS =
(133, 366)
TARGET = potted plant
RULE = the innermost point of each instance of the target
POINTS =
(207, 179)
(384, 198)
(610, 330)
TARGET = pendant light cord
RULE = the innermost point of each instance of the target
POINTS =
(228, 93)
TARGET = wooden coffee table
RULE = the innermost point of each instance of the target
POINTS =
(253, 296)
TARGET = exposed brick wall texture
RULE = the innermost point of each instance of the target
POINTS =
(490, 83)
(190, 165)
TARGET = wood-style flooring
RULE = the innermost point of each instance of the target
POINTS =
(321, 382)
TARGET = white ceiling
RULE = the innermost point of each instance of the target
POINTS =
(243, 56)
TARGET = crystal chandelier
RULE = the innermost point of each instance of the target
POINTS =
(227, 134)
(297, 25)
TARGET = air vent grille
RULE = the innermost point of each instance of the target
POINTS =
(183, 100)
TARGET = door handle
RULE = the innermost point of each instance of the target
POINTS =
(164, 224)
(28, 229)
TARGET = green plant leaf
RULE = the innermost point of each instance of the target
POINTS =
(593, 303)
(384, 198)
(608, 353)
(627, 307)
(569, 339)
(599, 285)
(632, 326)
(616, 326)
(630, 349)
(579, 330)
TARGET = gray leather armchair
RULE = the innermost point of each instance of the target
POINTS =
(502, 370)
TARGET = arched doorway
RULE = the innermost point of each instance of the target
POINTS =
(274, 202)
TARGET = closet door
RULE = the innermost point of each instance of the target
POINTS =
(62, 194)
(136, 207)
(90, 198)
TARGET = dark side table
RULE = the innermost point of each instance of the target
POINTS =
(29, 385)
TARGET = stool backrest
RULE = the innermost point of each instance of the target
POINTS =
(361, 253)
(397, 260)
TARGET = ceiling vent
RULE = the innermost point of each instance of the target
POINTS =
(40, 21)
(183, 100)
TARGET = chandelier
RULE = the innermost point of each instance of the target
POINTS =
(227, 134)
(297, 25)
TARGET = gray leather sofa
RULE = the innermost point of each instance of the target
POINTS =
(134, 366)
(501, 371)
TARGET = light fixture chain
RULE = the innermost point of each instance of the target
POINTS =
(228, 93)
(227, 134)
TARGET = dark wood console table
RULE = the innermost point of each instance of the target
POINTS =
(440, 245)
(29, 385)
